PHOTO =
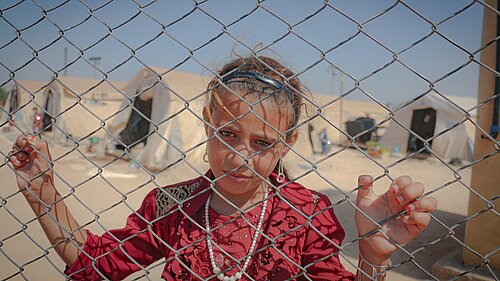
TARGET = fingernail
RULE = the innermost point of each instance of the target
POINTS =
(410, 208)
(394, 188)
(399, 200)
(21, 156)
(365, 178)
(405, 218)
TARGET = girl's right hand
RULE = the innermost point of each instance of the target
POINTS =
(32, 162)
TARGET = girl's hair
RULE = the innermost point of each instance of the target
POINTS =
(263, 77)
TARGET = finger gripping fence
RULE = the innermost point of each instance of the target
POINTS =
(116, 91)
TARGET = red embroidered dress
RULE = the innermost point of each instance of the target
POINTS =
(290, 248)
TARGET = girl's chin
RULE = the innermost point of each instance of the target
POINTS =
(235, 188)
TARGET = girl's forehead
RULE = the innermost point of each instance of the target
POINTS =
(250, 106)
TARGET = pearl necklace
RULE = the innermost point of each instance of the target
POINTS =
(217, 270)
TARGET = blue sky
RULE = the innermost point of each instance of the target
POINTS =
(183, 41)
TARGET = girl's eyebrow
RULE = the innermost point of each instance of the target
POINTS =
(224, 124)
(262, 135)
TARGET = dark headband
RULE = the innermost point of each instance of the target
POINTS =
(264, 79)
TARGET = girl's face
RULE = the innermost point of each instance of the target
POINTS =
(252, 138)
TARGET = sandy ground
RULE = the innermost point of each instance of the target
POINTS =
(98, 199)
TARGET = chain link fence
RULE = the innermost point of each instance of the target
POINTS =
(120, 85)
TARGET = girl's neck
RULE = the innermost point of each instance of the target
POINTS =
(243, 202)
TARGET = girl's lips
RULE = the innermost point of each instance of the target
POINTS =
(237, 178)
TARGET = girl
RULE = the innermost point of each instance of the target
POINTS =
(244, 219)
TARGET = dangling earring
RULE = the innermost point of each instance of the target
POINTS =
(281, 174)
(205, 156)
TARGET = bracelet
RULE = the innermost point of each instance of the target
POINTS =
(376, 269)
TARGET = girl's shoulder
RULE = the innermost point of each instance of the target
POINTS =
(161, 200)
(170, 196)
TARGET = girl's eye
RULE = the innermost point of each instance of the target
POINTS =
(226, 134)
(264, 143)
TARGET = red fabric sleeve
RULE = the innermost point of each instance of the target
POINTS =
(118, 253)
(317, 247)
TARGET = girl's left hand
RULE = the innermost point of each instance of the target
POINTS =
(401, 196)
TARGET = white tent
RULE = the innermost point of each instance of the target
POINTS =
(23, 96)
(163, 109)
(430, 117)
(79, 106)
(338, 113)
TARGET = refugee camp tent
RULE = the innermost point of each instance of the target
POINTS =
(79, 106)
(435, 119)
(363, 128)
(335, 114)
(160, 111)
(24, 95)
(469, 104)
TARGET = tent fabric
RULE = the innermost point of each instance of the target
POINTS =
(80, 105)
(359, 125)
(173, 128)
(447, 143)
(138, 123)
(23, 96)
(335, 113)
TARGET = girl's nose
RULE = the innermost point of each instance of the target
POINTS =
(243, 156)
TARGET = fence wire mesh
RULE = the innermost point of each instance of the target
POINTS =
(378, 106)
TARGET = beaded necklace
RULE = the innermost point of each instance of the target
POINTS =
(217, 270)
